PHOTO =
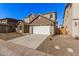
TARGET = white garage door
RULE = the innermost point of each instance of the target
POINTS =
(41, 30)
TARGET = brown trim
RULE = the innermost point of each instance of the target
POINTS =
(47, 18)
(17, 23)
(6, 25)
(9, 19)
(41, 16)
(30, 15)
(34, 19)
(76, 19)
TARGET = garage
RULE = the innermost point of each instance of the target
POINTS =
(41, 30)
(41, 25)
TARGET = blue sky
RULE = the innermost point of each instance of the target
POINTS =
(22, 10)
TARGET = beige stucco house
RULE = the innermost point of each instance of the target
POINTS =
(22, 27)
(71, 19)
(42, 24)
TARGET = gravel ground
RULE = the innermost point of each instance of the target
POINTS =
(60, 45)
(9, 36)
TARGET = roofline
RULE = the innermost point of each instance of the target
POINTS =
(30, 15)
(46, 18)
(21, 20)
(48, 13)
(67, 5)
(9, 19)
(34, 19)
(41, 14)
(37, 17)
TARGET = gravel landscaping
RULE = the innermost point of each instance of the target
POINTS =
(60, 45)
(9, 36)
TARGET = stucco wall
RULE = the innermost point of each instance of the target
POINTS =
(26, 20)
(75, 28)
(53, 16)
(30, 29)
(18, 30)
(75, 9)
(71, 16)
(68, 20)
(52, 30)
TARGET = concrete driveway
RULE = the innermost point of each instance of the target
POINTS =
(31, 41)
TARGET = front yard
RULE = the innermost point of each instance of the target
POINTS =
(61, 45)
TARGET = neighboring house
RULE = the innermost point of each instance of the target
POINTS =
(30, 18)
(8, 25)
(42, 24)
(71, 19)
(22, 27)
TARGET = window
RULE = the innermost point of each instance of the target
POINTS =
(70, 5)
(20, 27)
(75, 23)
(32, 16)
(4, 21)
(51, 16)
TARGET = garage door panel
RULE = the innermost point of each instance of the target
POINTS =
(41, 30)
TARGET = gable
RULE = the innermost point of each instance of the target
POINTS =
(41, 20)
(30, 18)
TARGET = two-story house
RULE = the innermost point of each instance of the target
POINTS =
(8, 24)
(42, 23)
(71, 19)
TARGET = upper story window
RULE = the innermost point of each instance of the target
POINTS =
(70, 5)
(32, 16)
(4, 21)
(51, 16)
(75, 23)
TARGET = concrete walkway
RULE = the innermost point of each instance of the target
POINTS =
(31, 41)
